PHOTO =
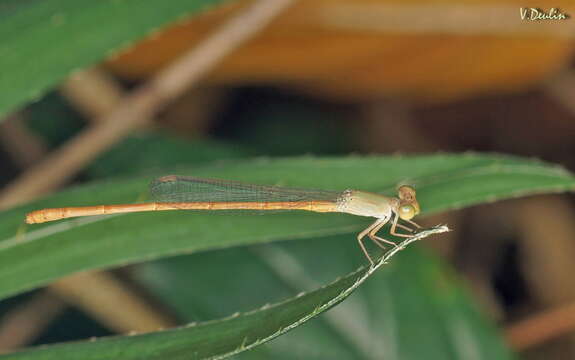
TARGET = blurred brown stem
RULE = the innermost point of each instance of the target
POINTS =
(26, 321)
(24, 147)
(546, 229)
(561, 88)
(542, 327)
(93, 92)
(108, 300)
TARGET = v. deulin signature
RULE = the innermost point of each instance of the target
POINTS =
(534, 14)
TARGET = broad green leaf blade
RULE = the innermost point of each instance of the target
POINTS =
(221, 338)
(52, 250)
(145, 153)
(414, 298)
(215, 294)
(43, 41)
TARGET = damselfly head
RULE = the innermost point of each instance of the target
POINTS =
(406, 193)
(408, 205)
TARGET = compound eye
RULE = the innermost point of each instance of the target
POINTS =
(406, 193)
(406, 212)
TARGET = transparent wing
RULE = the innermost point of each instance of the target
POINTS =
(173, 188)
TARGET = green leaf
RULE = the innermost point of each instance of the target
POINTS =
(43, 41)
(57, 249)
(221, 338)
(147, 152)
(54, 250)
(412, 298)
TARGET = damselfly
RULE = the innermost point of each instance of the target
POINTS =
(190, 193)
